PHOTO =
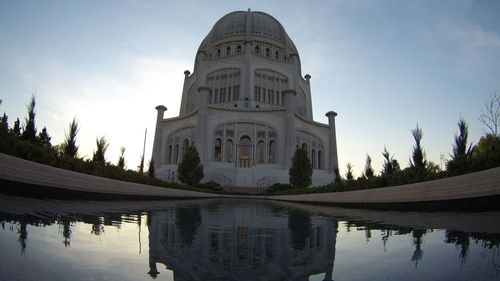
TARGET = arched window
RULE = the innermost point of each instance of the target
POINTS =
(229, 151)
(277, 55)
(313, 159)
(169, 154)
(228, 51)
(185, 145)
(238, 49)
(218, 53)
(272, 152)
(320, 159)
(260, 152)
(268, 52)
(176, 154)
(257, 49)
(245, 152)
(217, 150)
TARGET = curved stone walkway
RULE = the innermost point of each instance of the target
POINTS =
(475, 185)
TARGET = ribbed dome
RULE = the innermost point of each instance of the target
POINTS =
(250, 25)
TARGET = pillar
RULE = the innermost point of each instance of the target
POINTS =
(185, 94)
(333, 162)
(157, 138)
(289, 126)
(309, 99)
(202, 122)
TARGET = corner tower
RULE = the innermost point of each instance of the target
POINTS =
(247, 108)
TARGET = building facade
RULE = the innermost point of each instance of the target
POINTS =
(246, 108)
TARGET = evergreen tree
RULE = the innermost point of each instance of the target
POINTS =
(141, 165)
(151, 169)
(121, 159)
(460, 146)
(349, 175)
(44, 138)
(338, 177)
(368, 167)
(418, 161)
(4, 124)
(100, 153)
(390, 165)
(69, 146)
(29, 130)
(190, 169)
(301, 170)
(16, 129)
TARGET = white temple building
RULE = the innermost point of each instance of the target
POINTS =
(246, 107)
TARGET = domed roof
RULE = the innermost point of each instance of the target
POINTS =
(249, 24)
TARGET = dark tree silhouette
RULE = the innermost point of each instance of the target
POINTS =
(190, 169)
(100, 153)
(151, 168)
(16, 129)
(121, 159)
(69, 146)
(368, 167)
(301, 171)
(44, 138)
(390, 165)
(29, 130)
(141, 165)
(349, 175)
(418, 156)
(4, 124)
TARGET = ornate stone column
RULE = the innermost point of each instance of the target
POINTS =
(184, 93)
(201, 126)
(289, 126)
(333, 162)
(156, 143)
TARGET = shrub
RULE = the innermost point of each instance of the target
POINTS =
(190, 169)
(301, 171)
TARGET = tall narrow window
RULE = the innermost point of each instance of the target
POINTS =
(229, 151)
(218, 53)
(272, 152)
(277, 55)
(320, 159)
(260, 152)
(185, 145)
(268, 52)
(257, 49)
(238, 49)
(228, 51)
(176, 154)
(169, 154)
(217, 150)
(313, 159)
(236, 92)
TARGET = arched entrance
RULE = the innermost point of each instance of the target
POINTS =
(245, 152)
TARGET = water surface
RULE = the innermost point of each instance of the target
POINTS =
(240, 240)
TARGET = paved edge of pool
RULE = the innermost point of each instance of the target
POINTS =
(39, 180)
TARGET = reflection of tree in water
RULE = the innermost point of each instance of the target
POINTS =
(188, 220)
(461, 239)
(417, 235)
(23, 236)
(299, 224)
(65, 222)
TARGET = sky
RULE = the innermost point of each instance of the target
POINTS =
(383, 66)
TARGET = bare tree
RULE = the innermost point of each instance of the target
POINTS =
(490, 116)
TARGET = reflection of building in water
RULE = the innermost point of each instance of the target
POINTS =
(249, 242)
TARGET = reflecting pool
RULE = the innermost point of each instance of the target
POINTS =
(240, 240)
